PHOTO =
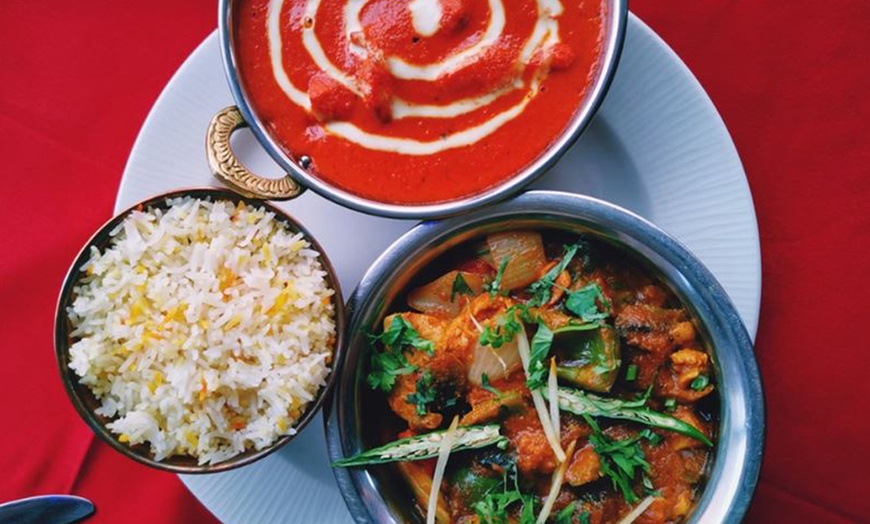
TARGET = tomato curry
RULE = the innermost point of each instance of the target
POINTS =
(420, 101)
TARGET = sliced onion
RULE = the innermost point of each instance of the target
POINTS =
(553, 390)
(637, 511)
(496, 363)
(555, 486)
(538, 399)
(440, 466)
(481, 251)
(525, 253)
(434, 297)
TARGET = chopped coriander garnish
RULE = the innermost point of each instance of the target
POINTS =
(424, 394)
(631, 372)
(700, 382)
(564, 516)
(460, 287)
(506, 327)
(492, 337)
(504, 330)
(671, 404)
(621, 460)
(385, 367)
(484, 383)
(391, 362)
(493, 287)
(493, 507)
(401, 333)
(585, 303)
(540, 289)
(654, 438)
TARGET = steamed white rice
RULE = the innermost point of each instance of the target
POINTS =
(204, 329)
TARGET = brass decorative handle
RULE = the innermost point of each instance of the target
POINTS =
(227, 168)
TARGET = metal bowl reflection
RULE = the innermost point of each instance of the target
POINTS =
(86, 403)
(734, 472)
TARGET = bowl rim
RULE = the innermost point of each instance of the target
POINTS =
(734, 474)
(615, 27)
(141, 453)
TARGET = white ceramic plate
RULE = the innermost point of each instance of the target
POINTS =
(657, 147)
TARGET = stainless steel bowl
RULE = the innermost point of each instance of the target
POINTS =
(227, 168)
(734, 473)
(86, 403)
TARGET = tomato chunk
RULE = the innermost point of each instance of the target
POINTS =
(329, 99)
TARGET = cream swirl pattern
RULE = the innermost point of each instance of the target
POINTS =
(427, 17)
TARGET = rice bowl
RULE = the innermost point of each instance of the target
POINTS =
(205, 328)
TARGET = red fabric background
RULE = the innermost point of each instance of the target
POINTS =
(790, 79)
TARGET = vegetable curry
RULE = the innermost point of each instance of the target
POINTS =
(542, 377)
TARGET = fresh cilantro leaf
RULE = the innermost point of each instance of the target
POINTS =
(564, 516)
(392, 334)
(493, 507)
(401, 333)
(484, 383)
(622, 460)
(493, 287)
(460, 287)
(700, 382)
(527, 514)
(540, 289)
(585, 303)
(385, 367)
(654, 438)
(491, 337)
(631, 373)
(391, 362)
(540, 348)
(671, 404)
(423, 395)
(526, 314)
(504, 330)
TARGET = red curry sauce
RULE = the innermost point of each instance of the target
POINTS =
(403, 156)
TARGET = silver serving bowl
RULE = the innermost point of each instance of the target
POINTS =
(86, 403)
(734, 472)
(226, 166)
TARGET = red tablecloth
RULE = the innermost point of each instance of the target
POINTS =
(790, 79)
